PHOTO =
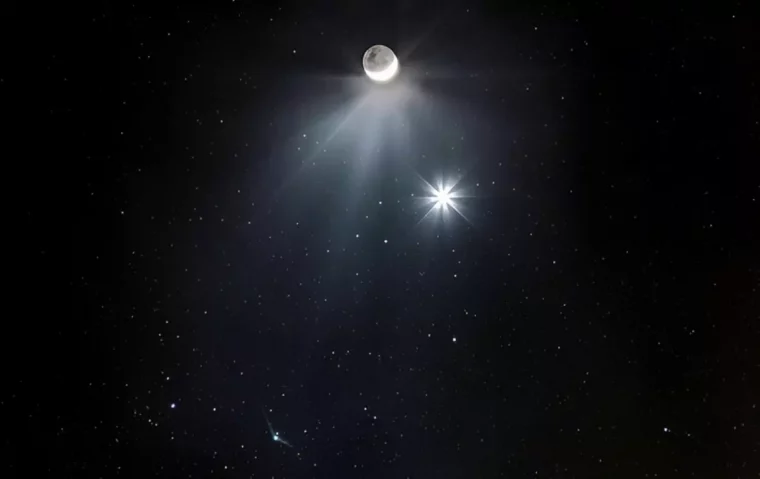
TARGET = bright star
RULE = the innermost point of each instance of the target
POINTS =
(444, 198)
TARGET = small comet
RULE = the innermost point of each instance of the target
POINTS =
(274, 434)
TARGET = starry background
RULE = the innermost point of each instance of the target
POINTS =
(206, 245)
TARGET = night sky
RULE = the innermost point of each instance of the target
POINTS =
(233, 263)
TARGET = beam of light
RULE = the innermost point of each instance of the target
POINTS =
(354, 125)
(369, 123)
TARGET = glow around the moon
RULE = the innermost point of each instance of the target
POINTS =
(380, 63)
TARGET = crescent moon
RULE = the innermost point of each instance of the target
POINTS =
(386, 74)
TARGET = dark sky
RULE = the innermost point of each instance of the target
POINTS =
(225, 224)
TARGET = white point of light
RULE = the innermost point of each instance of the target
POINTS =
(443, 197)
(172, 405)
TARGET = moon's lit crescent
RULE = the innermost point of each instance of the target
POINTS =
(386, 74)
